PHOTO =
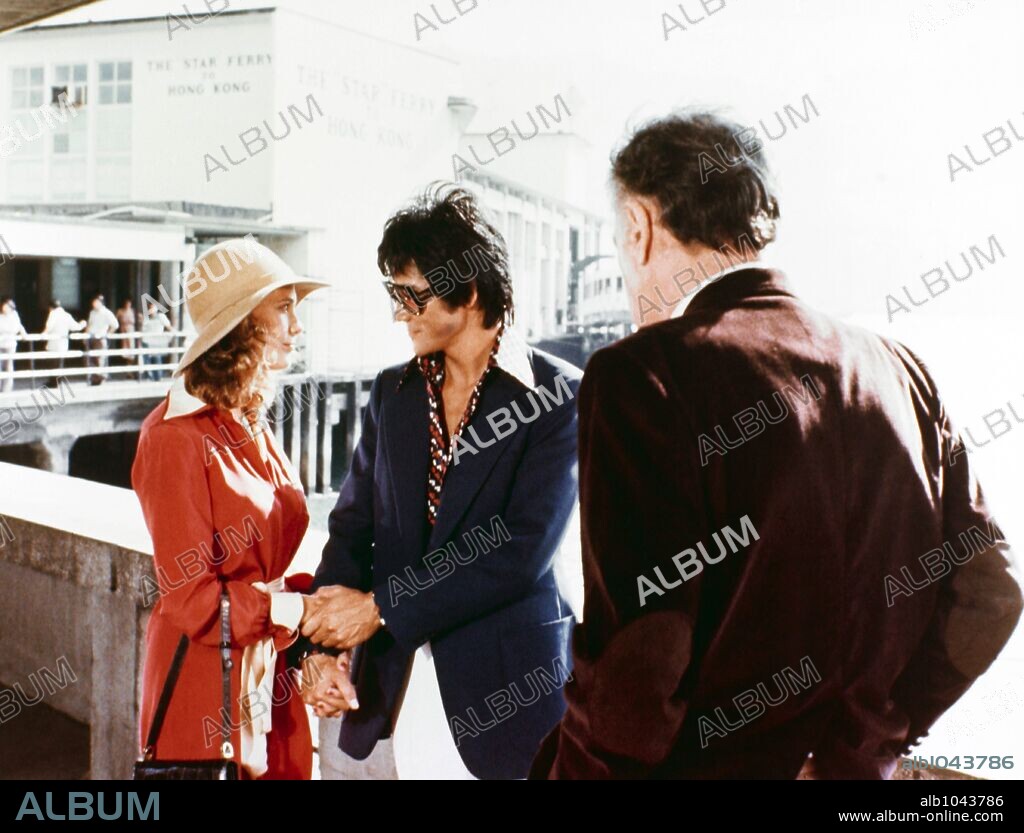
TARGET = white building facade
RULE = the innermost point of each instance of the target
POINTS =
(126, 151)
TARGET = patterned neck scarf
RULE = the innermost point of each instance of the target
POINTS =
(441, 445)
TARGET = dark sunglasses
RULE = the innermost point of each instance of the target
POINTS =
(412, 300)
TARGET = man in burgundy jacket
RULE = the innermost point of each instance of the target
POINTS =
(789, 566)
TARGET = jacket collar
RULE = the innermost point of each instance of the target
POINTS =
(513, 358)
(405, 426)
(680, 308)
(182, 403)
(732, 286)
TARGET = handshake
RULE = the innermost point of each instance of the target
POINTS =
(335, 617)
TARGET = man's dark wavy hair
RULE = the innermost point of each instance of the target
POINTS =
(444, 233)
(677, 161)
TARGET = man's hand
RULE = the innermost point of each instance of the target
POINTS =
(339, 617)
(326, 684)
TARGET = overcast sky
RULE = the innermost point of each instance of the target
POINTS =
(867, 196)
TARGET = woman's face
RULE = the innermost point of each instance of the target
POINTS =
(6, 308)
(276, 316)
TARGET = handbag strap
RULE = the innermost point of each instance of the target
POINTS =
(165, 698)
(227, 749)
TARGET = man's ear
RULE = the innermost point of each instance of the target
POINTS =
(640, 214)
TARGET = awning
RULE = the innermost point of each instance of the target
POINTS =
(15, 13)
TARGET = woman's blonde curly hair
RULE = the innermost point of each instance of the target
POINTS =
(234, 373)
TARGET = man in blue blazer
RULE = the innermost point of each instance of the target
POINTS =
(440, 569)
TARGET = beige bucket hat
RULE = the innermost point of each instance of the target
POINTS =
(226, 283)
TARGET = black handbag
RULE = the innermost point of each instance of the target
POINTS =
(223, 769)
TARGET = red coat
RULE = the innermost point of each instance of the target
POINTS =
(217, 513)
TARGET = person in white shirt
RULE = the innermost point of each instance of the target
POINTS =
(155, 326)
(101, 323)
(59, 325)
(10, 329)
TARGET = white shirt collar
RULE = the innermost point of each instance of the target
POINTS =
(514, 357)
(685, 302)
(180, 401)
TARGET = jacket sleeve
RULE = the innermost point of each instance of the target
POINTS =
(347, 558)
(979, 602)
(170, 479)
(541, 501)
(637, 491)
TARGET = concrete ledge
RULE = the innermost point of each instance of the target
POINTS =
(75, 559)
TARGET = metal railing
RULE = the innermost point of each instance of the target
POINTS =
(303, 417)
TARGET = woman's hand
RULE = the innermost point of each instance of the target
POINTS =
(326, 684)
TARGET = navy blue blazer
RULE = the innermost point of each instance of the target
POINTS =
(480, 585)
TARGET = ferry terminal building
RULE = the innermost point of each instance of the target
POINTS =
(124, 154)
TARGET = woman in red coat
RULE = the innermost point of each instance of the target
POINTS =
(225, 509)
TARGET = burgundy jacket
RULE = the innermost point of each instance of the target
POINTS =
(785, 550)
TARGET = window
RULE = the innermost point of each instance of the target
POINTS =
(618, 283)
(69, 87)
(70, 80)
(531, 244)
(26, 87)
(115, 85)
(25, 167)
(113, 131)
(561, 277)
(71, 138)
(515, 238)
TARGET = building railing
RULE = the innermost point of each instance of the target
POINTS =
(76, 362)
(303, 417)
(315, 418)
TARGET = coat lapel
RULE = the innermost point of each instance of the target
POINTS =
(408, 453)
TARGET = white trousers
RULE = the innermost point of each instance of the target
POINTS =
(423, 745)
